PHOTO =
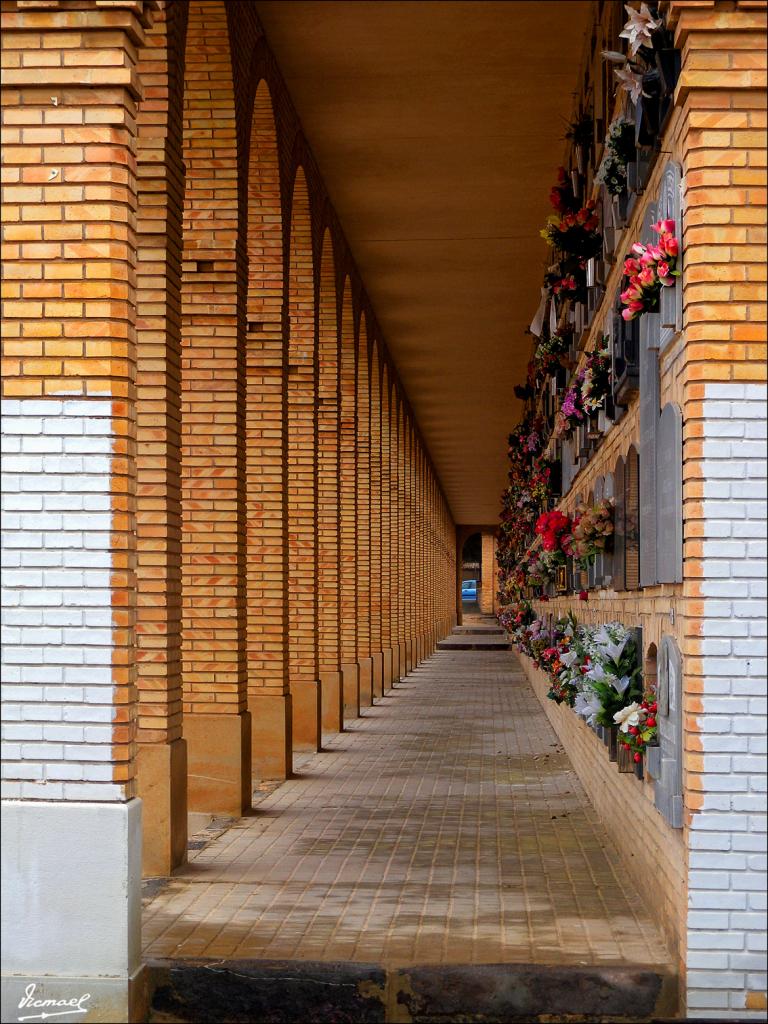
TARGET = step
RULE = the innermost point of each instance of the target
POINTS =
(467, 642)
(316, 992)
(479, 630)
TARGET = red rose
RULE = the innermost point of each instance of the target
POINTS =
(638, 758)
(650, 722)
(583, 595)
(633, 730)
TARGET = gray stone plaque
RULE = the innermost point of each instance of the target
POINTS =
(671, 300)
(668, 785)
(669, 495)
(618, 526)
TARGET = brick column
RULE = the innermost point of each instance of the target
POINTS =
(386, 529)
(348, 538)
(722, 140)
(487, 562)
(376, 512)
(401, 577)
(328, 509)
(162, 753)
(302, 479)
(216, 720)
(269, 698)
(71, 820)
(363, 518)
(410, 546)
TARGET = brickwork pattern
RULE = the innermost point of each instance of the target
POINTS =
(463, 837)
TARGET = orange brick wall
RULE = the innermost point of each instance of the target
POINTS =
(267, 478)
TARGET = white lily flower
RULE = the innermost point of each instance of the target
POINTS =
(639, 27)
(632, 714)
(568, 658)
(620, 685)
(631, 82)
(587, 706)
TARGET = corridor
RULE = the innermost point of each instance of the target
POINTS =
(445, 826)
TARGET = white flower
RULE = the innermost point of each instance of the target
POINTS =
(609, 646)
(631, 82)
(632, 714)
(587, 705)
(639, 27)
(568, 658)
(620, 685)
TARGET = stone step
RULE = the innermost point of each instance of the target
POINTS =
(315, 992)
(467, 642)
(479, 630)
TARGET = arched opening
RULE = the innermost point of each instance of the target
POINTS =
(216, 724)
(471, 573)
(302, 477)
(328, 516)
(266, 571)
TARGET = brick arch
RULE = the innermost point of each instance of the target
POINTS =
(213, 449)
(302, 474)
(266, 576)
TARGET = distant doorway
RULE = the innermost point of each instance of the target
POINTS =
(471, 574)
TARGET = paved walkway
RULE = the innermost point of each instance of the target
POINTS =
(446, 826)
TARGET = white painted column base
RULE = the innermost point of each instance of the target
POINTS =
(71, 910)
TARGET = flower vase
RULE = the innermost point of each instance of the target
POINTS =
(638, 769)
(613, 742)
(653, 761)
(619, 206)
(625, 761)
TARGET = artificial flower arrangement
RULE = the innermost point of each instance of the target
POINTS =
(530, 481)
(613, 679)
(562, 196)
(619, 151)
(592, 531)
(571, 412)
(551, 351)
(638, 728)
(648, 72)
(649, 269)
(592, 669)
(596, 379)
(575, 233)
(554, 528)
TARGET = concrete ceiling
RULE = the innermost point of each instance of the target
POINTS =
(438, 128)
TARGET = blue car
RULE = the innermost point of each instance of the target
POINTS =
(469, 590)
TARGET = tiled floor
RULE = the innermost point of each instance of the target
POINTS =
(446, 826)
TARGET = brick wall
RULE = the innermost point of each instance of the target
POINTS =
(709, 906)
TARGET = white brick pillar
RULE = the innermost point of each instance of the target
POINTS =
(71, 837)
(726, 939)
